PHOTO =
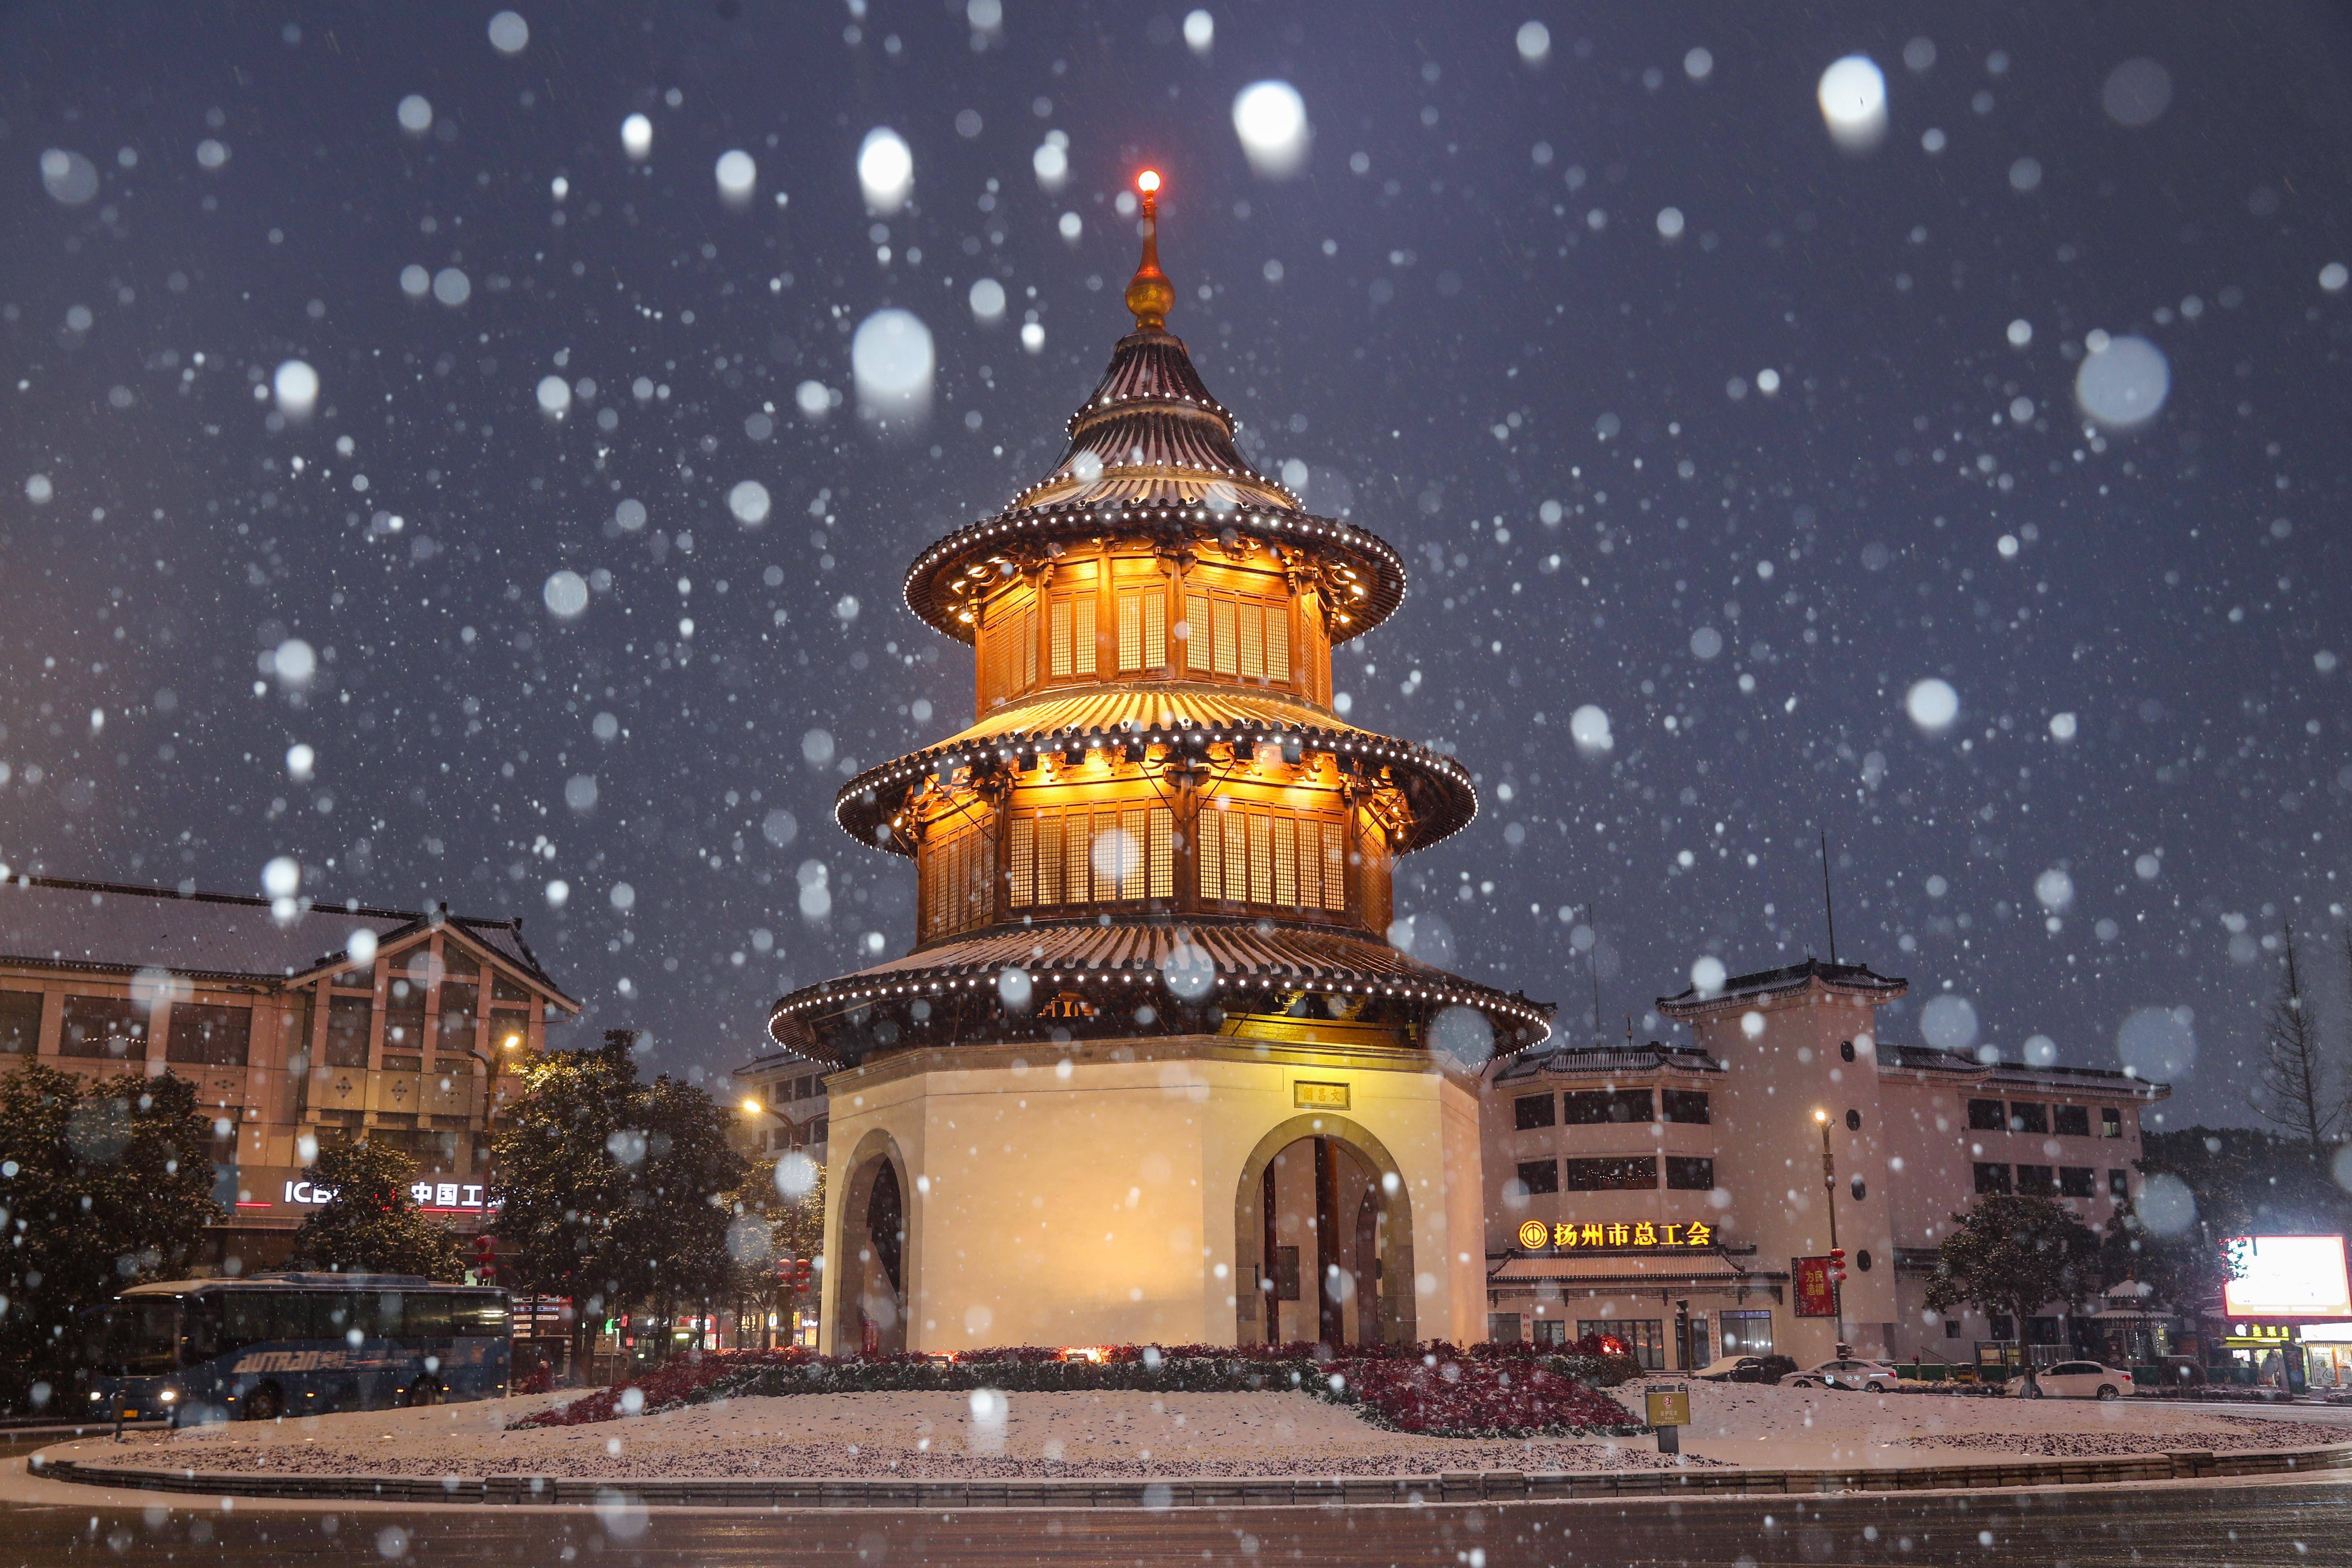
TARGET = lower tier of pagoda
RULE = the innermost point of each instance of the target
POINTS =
(1080, 979)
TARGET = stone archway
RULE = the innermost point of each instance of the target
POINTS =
(874, 1283)
(1353, 1232)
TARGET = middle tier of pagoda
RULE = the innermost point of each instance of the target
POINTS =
(1156, 743)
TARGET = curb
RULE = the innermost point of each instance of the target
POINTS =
(1490, 1485)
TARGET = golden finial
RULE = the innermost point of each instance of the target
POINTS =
(1149, 292)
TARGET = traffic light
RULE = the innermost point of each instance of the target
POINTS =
(486, 1259)
(1837, 1265)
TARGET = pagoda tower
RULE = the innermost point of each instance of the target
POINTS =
(1152, 1071)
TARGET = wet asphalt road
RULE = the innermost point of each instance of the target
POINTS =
(2212, 1527)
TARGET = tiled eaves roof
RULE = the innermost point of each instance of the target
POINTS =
(1928, 1061)
(1614, 1061)
(1179, 717)
(1134, 957)
(1854, 979)
(121, 928)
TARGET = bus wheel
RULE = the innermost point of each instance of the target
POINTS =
(264, 1403)
(424, 1390)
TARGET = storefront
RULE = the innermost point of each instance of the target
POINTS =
(1673, 1307)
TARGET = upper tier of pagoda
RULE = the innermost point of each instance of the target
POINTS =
(1150, 454)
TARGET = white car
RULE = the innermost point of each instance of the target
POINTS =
(1862, 1376)
(2074, 1380)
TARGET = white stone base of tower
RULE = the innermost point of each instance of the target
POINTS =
(1113, 1192)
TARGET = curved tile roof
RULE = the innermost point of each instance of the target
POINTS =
(1175, 714)
(1245, 955)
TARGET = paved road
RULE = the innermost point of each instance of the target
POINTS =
(2227, 1526)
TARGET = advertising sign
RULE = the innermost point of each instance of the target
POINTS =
(2287, 1277)
(1534, 1235)
(1816, 1292)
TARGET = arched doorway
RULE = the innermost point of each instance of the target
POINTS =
(870, 1302)
(1323, 1239)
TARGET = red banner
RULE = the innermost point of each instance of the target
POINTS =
(1816, 1292)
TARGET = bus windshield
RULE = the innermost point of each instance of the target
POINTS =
(142, 1338)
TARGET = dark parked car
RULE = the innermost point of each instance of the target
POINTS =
(1747, 1369)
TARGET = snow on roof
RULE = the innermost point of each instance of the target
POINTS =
(120, 927)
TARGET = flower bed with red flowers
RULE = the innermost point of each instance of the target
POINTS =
(1432, 1390)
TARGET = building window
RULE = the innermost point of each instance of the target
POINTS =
(1280, 861)
(1684, 1105)
(1645, 1339)
(2037, 1181)
(2077, 1181)
(1992, 1178)
(404, 1025)
(1533, 1110)
(460, 1006)
(1551, 1332)
(1611, 1174)
(1540, 1175)
(1195, 633)
(1988, 1116)
(1746, 1332)
(209, 1036)
(1951, 1328)
(1861, 1190)
(106, 1027)
(349, 1019)
(1503, 1328)
(2070, 1121)
(2028, 1116)
(2119, 1185)
(20, 1023)
(2111, 1121)
(1597, 1107)
(1689, 1174)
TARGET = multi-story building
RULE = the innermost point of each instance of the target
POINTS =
(1681, 1196)
(299, 1024)
(782, 1106)
(1152, 1071)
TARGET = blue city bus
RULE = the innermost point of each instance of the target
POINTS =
(196, 1351)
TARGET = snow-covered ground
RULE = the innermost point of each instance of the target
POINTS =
(1131, 1434)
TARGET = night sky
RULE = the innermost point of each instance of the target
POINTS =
(1681, 411)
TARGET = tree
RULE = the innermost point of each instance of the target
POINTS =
(613, 1192)
(102, 1186)
(372, 1224)
(2296, 1091)
(2012, 1254)
(779, 1215)
(2250, 1182)
(2184, 1272)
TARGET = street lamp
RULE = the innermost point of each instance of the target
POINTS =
(1829, 1186)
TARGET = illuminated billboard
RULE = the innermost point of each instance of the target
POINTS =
(2288, 1277)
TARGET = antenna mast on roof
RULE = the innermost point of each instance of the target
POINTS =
(1829, 907)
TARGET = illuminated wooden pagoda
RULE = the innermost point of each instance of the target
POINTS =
(1152, 1071)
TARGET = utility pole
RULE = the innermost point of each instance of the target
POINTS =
(1837, 1254)
(1829, 906)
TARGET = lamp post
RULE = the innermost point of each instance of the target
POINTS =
(1828, 1186)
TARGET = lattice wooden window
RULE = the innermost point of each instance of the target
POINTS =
(1211, 854)
(1278, 644)
(1261, 859)
(1197, 640)
(1130, 631)
(1028, 647)
(1286, 861)
(1221, 636)
(1155, 631)
(1311, 864)
(1078, 853)
(1335, 866)
(1253, 634)
(1049, 858)
(1162, 853)
(1132, 870)
(1058, 615)
(1082, 635)
(1022, 882)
